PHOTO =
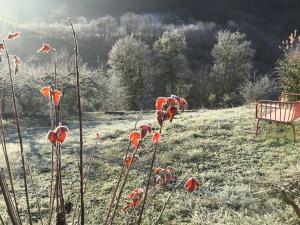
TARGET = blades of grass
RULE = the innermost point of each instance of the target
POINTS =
(19, 132)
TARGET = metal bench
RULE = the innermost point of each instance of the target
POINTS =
(282, 111)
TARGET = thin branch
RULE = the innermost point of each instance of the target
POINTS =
(19, 132)
(290, 202)
(80, 123)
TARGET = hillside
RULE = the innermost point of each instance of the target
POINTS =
(238, 172)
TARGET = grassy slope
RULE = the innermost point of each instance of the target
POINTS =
(218, 146)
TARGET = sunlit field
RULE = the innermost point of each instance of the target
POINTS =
(239, 174)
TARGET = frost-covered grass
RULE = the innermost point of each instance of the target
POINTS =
(218, 146)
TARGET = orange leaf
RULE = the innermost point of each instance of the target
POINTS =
(135, 142)
(160, 102)
(158, 170)
(46, 91)
(135, 135)
(156, 137)
(56, 97)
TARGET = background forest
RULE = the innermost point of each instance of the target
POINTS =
(215, 53)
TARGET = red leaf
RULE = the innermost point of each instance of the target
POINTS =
(58, 135)
(12, 36)
(144, 130)
(161, 116)
(182, 104)
(45, 48)
(128, 160)
(192, 184)
(172, 101)
(171, 112)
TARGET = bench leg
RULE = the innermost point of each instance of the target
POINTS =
(294, 132)
(257, 126)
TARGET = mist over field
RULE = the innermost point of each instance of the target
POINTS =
(266, 23)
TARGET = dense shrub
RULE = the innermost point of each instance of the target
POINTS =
(288, 69)
(259, 87)
(33, 76)
(233, 58)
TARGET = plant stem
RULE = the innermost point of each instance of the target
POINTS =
(3, 143)
(147, 186)
(123, 184)
(35, 192)
(290, 202)
(19, 133)
(86, 177)
(121, 173)
(116, 189)
(168, 199)
(80, 123)
(1, 220)
(148, 183)
(10, 207)
(61, 193)
(53, 124)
